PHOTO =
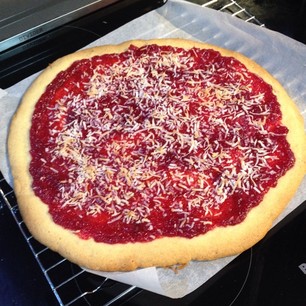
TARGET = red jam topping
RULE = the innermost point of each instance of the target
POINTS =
(154, 142)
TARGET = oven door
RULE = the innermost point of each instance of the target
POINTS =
(34, 36)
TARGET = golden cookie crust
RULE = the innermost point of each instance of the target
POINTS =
(219, 242)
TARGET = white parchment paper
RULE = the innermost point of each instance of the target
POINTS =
(283, 57)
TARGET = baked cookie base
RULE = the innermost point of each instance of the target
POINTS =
(166, 251)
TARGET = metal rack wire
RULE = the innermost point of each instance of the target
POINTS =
(73, 286)
(233, 8)
(70, 284)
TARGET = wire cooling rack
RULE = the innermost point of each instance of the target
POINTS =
(71, 285)
(231, 7)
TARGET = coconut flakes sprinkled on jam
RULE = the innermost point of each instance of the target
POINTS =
(156, 141)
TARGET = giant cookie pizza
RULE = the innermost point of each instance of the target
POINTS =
(154, 153)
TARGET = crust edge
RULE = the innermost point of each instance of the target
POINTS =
(217, 243)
